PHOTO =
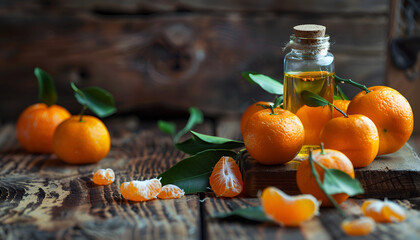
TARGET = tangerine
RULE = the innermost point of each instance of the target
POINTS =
(331, 159)
(103, 176)
(384, 211)
(288, 210)
(226, 178)
(141, 190)
(342, 105)
(358, 227)
(36, 125)
(171, 191)
(255, 107)
(273, 138)
(356, 136)
(391, 113)
(313, 120)
(80, 142)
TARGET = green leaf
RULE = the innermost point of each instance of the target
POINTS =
(265, 82)
(196, 117)
(192, 174)
(339, 94)
(278, 101)
(167, 127)
(337, 181)
(313, 100)
(200, 142)
(46, 93)
(98, 100)
(250, 213)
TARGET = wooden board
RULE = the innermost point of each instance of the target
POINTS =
(394, 175)
(175, 53)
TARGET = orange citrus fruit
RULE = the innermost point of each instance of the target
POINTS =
(171, 191)
(356, 136)
(313, 120)
(358, 227)
(141, 190)
(78, 142)
(226, 178)
(36, 125)
(273, 138)
(288, 210)
(342, 105)
(391, 113)
(255, 107)
(103, 176)
(384, 211)
(331, 159)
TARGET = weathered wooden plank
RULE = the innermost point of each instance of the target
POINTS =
(144, 6)
(44, 197)
(176, 61)
(394, 175)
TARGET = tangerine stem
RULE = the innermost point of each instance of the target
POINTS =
(322, 148)
(82, 113)
(345, 115)
(318, 181)
(351, 82)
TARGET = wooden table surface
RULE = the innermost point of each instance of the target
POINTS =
(44, 198)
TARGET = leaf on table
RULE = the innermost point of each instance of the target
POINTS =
(337, 181)
(167, 127)
(196, 117)
(46, 93)
(200, 142)
(250, 213)
(192, 174)
(265, 82)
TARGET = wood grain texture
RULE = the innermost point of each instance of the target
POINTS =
(394, 175)
(44, 198)
(172, 58)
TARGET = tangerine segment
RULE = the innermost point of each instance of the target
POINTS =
(273, 138)
(356, 136)
(358, 227)
(103, 176)
(391, 113)
(313, 120)
(171, 191)
(141, 190)
(288, 210)
(384, 211)
(255, 107)
(331, 159)
(36, 125)
(226, 178)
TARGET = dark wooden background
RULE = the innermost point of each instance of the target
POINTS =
(158, 57)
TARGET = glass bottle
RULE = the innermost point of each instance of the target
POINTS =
(309, 66)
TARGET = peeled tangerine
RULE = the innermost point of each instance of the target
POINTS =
(103, 176)
(384, 211)
(358, 227)
(288, 210)
(171, 191)
(226, 178)
(141, 190)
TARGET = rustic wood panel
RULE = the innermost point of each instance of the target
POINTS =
(43, 197)
(148, 7)
(176, 60)
(394, 175)
(397, 78)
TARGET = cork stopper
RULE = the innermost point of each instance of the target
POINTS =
(309, 31)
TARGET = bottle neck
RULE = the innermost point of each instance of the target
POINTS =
(309, 47)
